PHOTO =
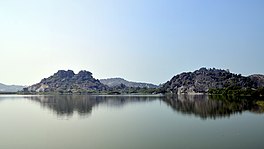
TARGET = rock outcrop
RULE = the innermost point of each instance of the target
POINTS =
(68, 81)
(257, 79)
(200, 81)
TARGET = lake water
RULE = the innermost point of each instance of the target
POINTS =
(129, 122)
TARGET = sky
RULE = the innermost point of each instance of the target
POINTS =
(139, 40)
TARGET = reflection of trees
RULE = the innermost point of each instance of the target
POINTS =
(210, 107)
(203, 106)
(66, 105)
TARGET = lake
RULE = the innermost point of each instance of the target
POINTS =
(129, 122)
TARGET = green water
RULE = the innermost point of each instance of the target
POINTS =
(128, 122)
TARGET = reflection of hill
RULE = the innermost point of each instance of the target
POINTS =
(202, 106)
(210, 107)
(66, 105)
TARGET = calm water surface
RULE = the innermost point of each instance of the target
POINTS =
(129, 122)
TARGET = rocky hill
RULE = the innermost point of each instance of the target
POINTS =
(258, 80)
(68, 81)
(200, 81)
(113, 82)
(215, 81)
(10, 88)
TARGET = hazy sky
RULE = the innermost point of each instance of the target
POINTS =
(140, 40)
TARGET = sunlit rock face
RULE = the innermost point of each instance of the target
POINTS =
(258, 80)
(68, 81)
(200, 81)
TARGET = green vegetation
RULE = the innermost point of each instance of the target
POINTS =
(122, 89)
(260, 103)
(4, 93)
(238, 91)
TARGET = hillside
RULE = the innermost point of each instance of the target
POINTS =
(200, 81)
(214, 81)
(10, 88)
(69, 82)
(113, 82)
(257, 79)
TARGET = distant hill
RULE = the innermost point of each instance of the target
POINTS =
(10, 88)
(200, 81)
(112, 82)
(68, 81)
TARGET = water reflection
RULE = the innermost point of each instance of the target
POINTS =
(66, 105)
(203, 106)
(211, 107)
